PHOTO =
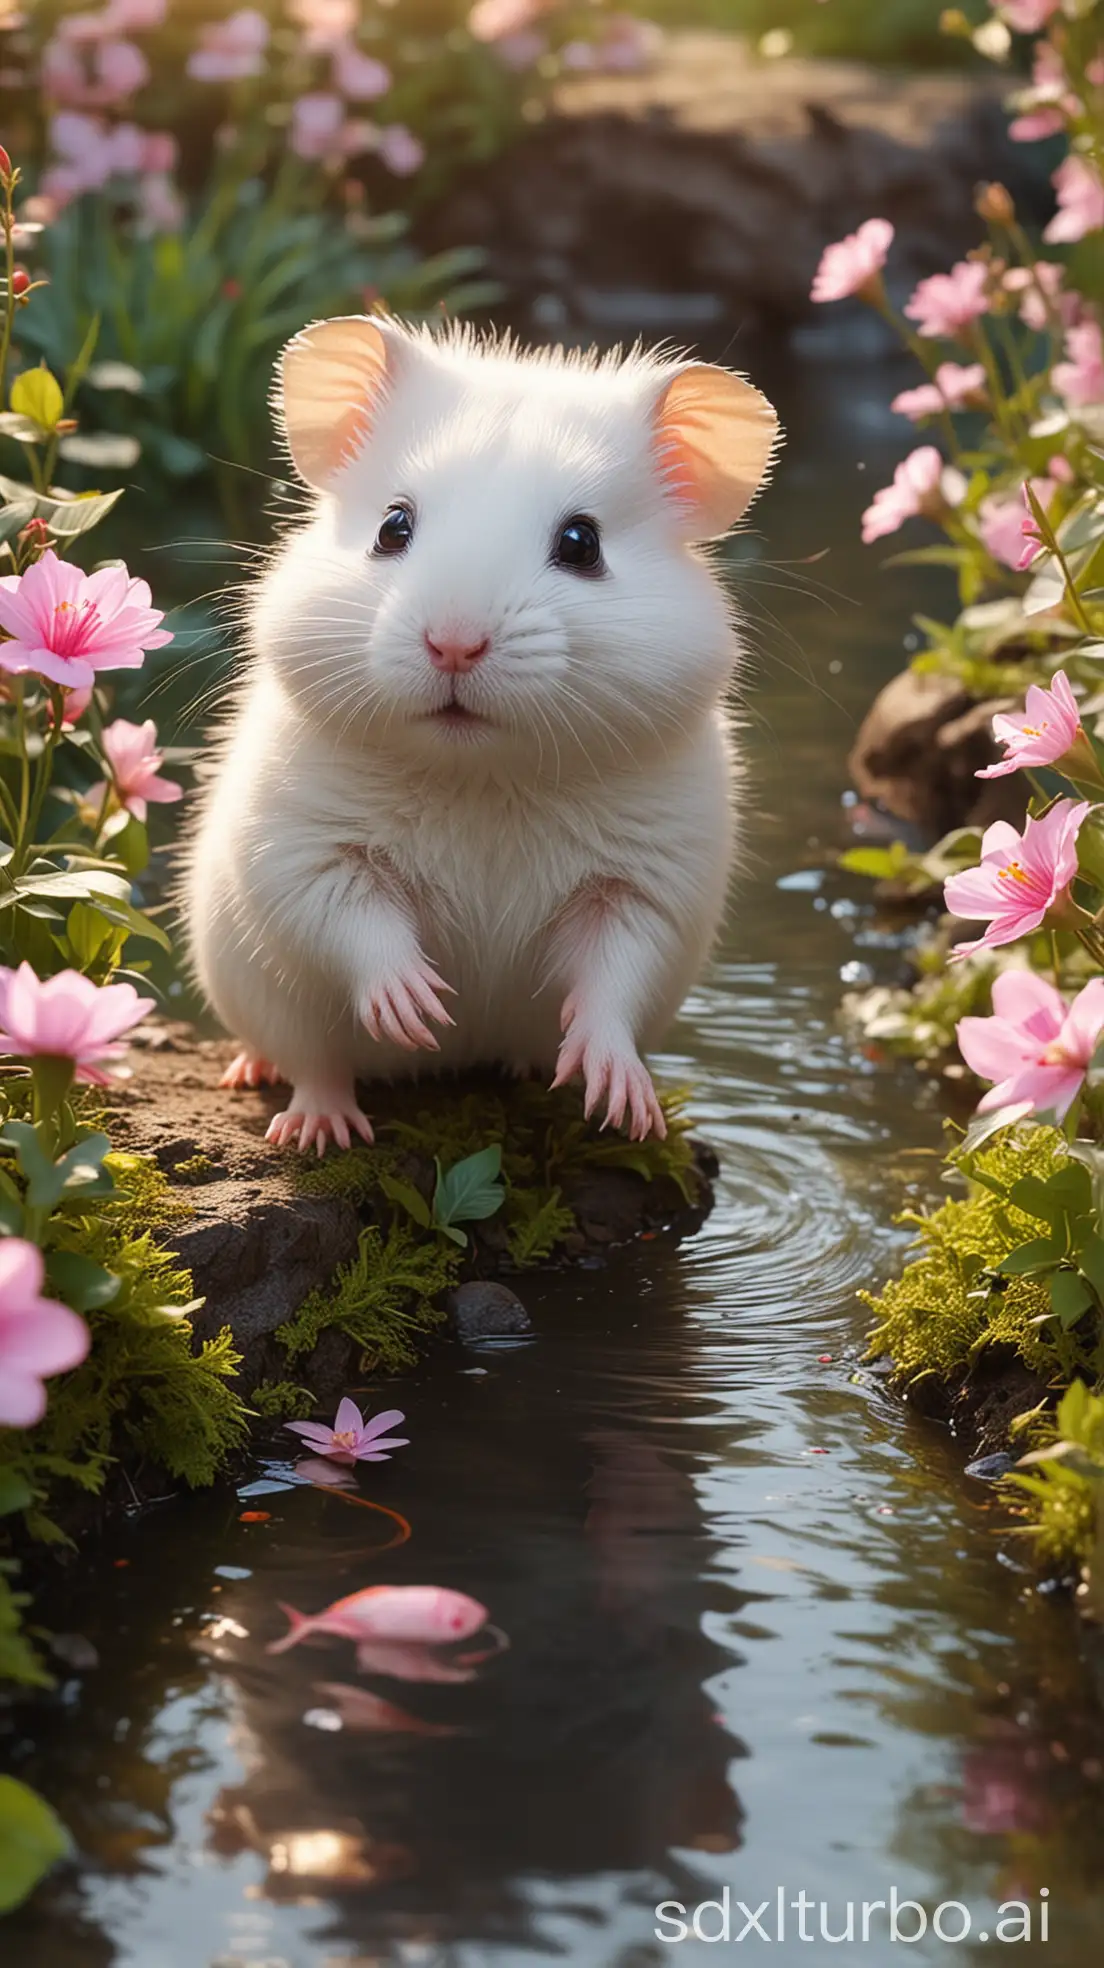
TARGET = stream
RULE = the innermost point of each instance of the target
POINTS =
(765, 1635)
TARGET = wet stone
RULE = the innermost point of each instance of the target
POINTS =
(483, 1309)
(991, 1468)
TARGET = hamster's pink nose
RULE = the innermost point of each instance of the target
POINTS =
(455, 657)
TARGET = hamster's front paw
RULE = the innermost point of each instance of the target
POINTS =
(398, 1006)
(315, 1116)
(248, 1071)
(613, 1072)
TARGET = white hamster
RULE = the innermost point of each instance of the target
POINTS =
(474, 804)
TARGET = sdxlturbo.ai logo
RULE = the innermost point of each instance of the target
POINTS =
(861, 1922)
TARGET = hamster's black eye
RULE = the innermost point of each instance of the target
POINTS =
(396, 532)
(579, 546)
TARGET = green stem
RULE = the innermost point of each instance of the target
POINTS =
(44, 769)
(7, 219)
(983, 349)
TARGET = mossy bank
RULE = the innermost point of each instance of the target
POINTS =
(997, 1327)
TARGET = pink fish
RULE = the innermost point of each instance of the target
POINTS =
(360, 1709)
(427, 1615)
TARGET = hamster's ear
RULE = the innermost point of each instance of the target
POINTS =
(332, 378)
(715, 436)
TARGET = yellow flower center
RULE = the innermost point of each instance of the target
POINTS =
(345, 1440)
(1055, 1054)
(1014, 872)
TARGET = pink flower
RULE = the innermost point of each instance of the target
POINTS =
(121, 68)
(853, 265)
(38, 1337)
(359, 76)
(1002, 525)
(85, 150)
(1027, 16)
(954, 385)
(66, 625)
(1046, 729)
(232, 49)
(64, 79)
(352, 1439)
(1040, 287)
(524, 50)
(67, 1017)
(84, 27)
(1080, 201)
(401, 151)
(1020, 878)
(1034, 124)
(922, 485)
(946, 303)
(136, 16)
(1081, 379)
(1036, 1049)
(326, 23)
(490, 20)
(132, 755)
(316, 125)
(159, 152)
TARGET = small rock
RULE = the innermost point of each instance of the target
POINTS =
(482, 1309)
(75, 1650)
(990, 1469)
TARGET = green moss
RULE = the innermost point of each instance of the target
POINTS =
(18, 1659)
(146, 1198)
(384, 1299)
(938, 1315)
(142, 1389)
(355, 1174)
(195, 1169)
(1062, 1499)
(537, 1221)
(282, 1400)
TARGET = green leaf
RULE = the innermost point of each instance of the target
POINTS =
(1035, 1256)
(80, 883)
(81, 1170)
(133, 920)
(15, 1492)
(23, 429)
(471, 1190)
(408, 1198)
(1090, 1258)
(37, 394)
(32, 1840)
(1070, 1297)
(66, 517)
(929, 557)
(880, 863)
(13, 518)
(83, 1285)
(44, 1184)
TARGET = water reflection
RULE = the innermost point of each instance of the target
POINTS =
(762, 1631)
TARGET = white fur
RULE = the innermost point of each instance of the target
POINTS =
(578, 846)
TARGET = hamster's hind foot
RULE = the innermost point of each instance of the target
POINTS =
(614, 1074)
(315, 1116)
(248, 1071)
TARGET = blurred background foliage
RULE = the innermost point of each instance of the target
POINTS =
(875, 30)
